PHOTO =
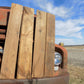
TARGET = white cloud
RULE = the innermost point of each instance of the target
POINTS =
(58, 11)
(70, 28)
(65, 41)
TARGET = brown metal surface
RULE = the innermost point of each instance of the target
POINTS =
(4, 7)
(2, 30)
(4, 13)
(63, 79)
(14, 83)
(2, 37)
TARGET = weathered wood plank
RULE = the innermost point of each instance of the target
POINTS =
(50, 45)
(11, 43)
(39, 45)
(26, 43)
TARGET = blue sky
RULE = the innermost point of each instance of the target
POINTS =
(69, 23)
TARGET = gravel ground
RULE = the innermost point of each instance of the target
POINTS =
(76, 74)
(76, 57)
(76, 65)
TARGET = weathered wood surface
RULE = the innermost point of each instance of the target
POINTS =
(11, 43)
(50, 45)
(26, 43)
(39, 45)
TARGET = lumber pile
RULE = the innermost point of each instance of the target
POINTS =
(29, 44)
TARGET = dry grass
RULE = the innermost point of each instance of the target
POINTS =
(76, 74)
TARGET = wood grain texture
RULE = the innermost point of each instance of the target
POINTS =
(26, 43)
(11, 43)
(50, 45)
(39, 45)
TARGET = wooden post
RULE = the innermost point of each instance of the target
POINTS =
(50, 45)
(26, 43)
(39, 45)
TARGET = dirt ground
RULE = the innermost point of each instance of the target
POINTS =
(76, 64)
(76, 74)
(76, 57)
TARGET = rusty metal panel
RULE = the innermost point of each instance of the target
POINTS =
(63, 79)
(3, 18)
(63, 52)
(4, 14)
(14, 83)
(2, 30)
(2, 37)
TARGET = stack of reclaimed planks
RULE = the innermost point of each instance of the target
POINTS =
(29, 45)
